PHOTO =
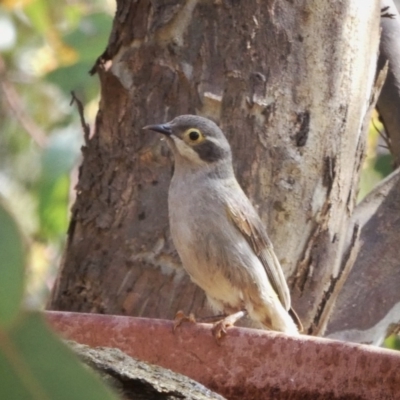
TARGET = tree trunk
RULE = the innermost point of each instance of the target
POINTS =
(290, 83)
(368, 307)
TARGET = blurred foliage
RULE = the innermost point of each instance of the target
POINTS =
(41, 44)
(34, 363)
(392, 342)
(378, 162)
(12, 262)
(47, 49)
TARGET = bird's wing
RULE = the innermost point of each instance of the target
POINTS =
(247, 221)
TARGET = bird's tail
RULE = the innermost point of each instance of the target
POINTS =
(296, 319)
(276, 318)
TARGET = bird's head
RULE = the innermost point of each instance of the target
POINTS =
(195, 141)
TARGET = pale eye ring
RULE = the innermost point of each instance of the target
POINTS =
(194, 135)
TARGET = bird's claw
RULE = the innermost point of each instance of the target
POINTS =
(181, 317)
(219, 330)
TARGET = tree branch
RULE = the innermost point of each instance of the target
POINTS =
(368, 307)
(389, 100)
(369, 304)
(85, 125)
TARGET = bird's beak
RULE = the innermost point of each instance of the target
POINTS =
(165, 129)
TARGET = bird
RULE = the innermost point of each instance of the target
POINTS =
(219, 236)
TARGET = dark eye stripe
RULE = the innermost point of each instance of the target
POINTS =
(209, 151)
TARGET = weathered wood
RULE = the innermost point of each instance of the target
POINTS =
(290, 85)
(138, 380)
(368, 307)
(353, 242)
(248, 364)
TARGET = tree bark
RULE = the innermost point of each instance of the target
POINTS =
(368, 307)
(138, 380)
(290, 84)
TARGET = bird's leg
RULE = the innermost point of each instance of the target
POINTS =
(212, 318)
(220, 327)
(223, 321)
(181, 317)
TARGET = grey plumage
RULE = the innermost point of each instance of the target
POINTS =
(218, 234)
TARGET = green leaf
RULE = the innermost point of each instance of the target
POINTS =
(36, 365)
(53, 207)
(53, 186)
(91, 36)
(89, 39)
(392, 342)
(75, 78)
(38, 12)
(72, 78)
(384, 164)
(12, 260)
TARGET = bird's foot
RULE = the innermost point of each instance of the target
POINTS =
(219, 329)
(181, 317)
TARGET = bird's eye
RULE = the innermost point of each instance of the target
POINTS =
(194, 135)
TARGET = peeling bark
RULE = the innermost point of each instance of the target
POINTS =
(289, 83)
(368, 307)
(353, 234)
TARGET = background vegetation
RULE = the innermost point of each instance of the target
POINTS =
(47, 49)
